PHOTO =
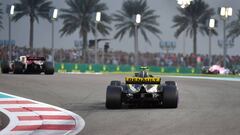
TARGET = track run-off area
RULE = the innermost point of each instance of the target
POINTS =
(206, 106)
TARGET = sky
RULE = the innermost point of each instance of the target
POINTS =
(167, 9)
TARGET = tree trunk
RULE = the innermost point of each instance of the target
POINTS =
(85, 47)
(31, 33)
(195, 40)
(136, 45)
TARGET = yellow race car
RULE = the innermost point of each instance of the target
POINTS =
(142, 89)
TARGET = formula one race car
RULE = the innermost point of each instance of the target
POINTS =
(140, 90)
(28, 65)
(217, 69)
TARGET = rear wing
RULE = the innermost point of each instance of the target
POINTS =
(139, 80)
(144, 68)
(35, 58)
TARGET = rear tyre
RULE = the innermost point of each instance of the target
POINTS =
(48, 68)
(114, 97)
(215, 72)
(17, 67)
(205, 70)
(172, 83)
(5, 69)
(170, 96)
(115, 83)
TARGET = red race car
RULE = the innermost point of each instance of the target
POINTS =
(28, 65)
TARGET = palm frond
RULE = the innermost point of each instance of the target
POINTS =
(234, 27)
(34, 8)
(125, 19)
(197, 14)
(81, 16)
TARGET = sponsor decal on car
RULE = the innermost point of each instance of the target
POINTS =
(139, 80)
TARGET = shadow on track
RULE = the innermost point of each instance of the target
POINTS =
(101, 107)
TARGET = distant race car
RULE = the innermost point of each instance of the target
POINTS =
(142, 89)
(217, 69)
(28, 65)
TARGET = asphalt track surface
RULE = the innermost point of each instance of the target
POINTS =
(206, 107)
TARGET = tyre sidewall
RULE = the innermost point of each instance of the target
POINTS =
(5, 69)
(170, 96)
(48, 68)
(18, 67)
(115, 83)
(114, 97)
(171, 83)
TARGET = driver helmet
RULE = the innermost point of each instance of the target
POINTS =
(143, 74)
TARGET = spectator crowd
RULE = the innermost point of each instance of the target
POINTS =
(120, 57)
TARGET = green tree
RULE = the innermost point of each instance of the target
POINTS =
(34, 9)
(1, 25)
(80, 16)
(193, 19)
(234, 27)
(125, 21)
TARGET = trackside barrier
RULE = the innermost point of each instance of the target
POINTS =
(70, 67)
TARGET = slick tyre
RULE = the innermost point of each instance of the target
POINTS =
(5, 67)
(170, 96)
(17, 68)
(114, 97)
(216, 72)
(172, 83)
(48, 68)
(205, 70)
(115, 83)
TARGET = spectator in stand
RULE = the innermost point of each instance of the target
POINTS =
(120, 57)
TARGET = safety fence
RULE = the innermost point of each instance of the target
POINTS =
(70, 67)
(97, 68)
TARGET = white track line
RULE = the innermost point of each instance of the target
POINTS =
(81, 73)
(60, 126)
(207, 78)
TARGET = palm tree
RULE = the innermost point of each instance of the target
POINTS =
(125, 19)
(192, 19)
(1, 26)
(126, 22)
(33, 9)
(81, 16)
(234, 27)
